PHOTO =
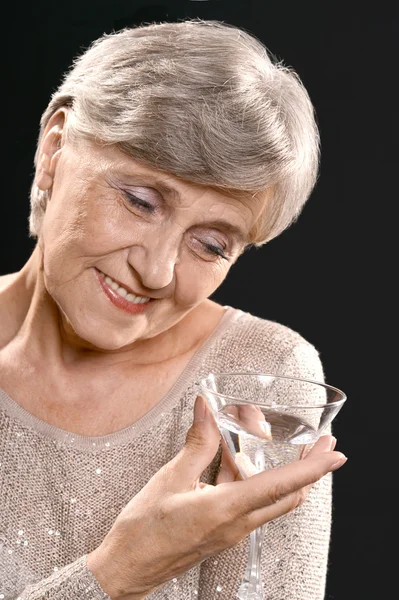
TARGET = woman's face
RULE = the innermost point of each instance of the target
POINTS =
(111, 217)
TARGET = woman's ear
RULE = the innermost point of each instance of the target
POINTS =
(50, 149)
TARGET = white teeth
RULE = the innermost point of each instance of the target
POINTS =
(122, 292)
(136, 299)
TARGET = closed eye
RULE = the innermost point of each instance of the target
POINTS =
(140, 203)
(215, 250)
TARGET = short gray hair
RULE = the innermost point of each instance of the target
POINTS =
(199, 99)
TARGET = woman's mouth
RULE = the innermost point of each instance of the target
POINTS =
(120, 296)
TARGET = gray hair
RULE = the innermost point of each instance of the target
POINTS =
(199, 99)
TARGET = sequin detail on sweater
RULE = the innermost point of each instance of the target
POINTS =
(60, 493)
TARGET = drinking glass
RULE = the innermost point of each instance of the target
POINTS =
(267, 420)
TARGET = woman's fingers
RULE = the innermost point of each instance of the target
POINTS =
(250, 418)
(228, 469)
(253, 421)
(325, 443)
(286, 502)
(202, 443)
(275, 492)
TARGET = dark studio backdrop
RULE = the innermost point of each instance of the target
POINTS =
(319, 276)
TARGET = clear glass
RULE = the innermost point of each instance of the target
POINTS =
(267, 421)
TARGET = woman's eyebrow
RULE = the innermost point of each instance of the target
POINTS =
(147, 179)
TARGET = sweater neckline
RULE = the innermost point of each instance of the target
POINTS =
(96, 443)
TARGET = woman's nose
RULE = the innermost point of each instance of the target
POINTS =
(155, 262)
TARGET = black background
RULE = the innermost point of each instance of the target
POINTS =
(326, 276)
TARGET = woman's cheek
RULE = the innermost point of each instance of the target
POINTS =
(109, 226)
(195, 283)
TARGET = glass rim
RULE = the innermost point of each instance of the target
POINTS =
(265, 374)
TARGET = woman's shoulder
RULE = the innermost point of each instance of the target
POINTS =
(255, 343)
(258, 331)
(5, 280)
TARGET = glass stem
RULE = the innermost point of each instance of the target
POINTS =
(251, 587)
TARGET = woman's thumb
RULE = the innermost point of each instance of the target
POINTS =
(202, 443)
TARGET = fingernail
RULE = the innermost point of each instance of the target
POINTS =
(333, 443)
(339, 463)
(199, 409)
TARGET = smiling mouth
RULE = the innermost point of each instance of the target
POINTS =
(123, 292)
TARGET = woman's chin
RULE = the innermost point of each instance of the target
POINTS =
(105, 343)
(95, 336)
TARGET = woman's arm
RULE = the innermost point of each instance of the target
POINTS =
(72, 582)
(295, 546)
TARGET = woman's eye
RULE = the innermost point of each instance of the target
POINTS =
(140, 203)
(215, 250)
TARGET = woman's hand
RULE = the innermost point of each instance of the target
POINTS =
(175, 521)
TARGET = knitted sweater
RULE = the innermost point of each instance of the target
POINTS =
(61, 492)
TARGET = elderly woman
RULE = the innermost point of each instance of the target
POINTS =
(168, 149)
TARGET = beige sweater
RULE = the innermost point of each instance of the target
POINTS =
(60, 493)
